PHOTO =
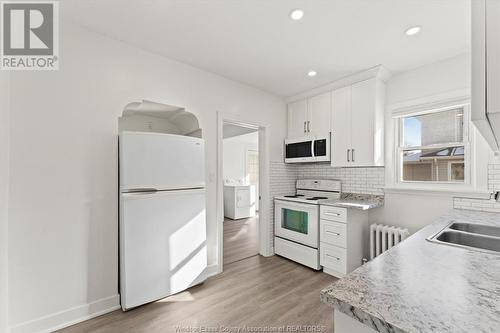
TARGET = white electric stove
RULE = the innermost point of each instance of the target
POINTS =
(296, 220)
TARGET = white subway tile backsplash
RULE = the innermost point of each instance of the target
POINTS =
(354, 180)
(483, 205)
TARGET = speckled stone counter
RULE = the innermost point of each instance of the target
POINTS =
(355, 200)
(420, 286)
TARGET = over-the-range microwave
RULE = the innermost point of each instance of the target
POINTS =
(310, 149)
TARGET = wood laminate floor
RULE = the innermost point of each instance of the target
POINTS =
(255, 292)
(241, 239)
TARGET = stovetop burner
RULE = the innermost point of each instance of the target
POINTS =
(294, 196)
(317, 198)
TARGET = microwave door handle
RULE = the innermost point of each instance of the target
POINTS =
(313, 143)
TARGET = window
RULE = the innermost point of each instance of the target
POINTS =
(433, 146)
(252, 167)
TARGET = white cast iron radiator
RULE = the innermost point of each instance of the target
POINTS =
(383, 237)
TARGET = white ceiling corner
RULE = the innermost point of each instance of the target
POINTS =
(256, 43)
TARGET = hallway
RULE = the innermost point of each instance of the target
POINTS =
(241, 239)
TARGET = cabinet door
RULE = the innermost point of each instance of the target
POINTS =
(320, 109)
(362, 122)
(297, 119)
(493, 65)
(341, 126)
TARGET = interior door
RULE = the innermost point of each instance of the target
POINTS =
(161, 161)
(362, 122)
(320, 110)
(341, 127)
(163, 246)
(297, 119)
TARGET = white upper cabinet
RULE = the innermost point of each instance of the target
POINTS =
(485, 99)
(310, 116)
(319, 113)
(358, 125)
(341, 121)
(297, 119)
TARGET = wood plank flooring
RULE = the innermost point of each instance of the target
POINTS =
(255, 292)
(241, 239)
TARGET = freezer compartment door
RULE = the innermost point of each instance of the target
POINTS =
(163, 246)
(161, 161)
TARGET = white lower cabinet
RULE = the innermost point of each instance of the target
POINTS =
(343, 239)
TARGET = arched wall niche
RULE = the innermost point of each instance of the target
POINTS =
(148, 116)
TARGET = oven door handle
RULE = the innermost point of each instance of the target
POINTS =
(313, 143)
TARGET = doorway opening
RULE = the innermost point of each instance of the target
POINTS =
(240, 176)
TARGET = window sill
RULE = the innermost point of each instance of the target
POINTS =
(446, 192)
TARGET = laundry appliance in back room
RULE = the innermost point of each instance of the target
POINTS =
(162, 216)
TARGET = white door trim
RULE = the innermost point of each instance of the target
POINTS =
(264, 208)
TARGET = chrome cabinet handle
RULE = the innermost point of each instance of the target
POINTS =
(305, 126)
(308, 126)
(333, 233)
(332, 257)
(332, 214)
(352, 154)
(348, 151)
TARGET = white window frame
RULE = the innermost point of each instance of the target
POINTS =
(467, 184)
(249, 151)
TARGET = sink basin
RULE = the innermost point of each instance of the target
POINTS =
(470, 240)
(471, 236)
(476, 229)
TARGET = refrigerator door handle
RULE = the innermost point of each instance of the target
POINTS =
(146, 190)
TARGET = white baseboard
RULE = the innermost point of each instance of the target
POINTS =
(212, 270)
(59, 320)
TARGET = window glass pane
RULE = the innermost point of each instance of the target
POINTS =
(294, 220)
(434, 165)
(434, 128)
(253, 167)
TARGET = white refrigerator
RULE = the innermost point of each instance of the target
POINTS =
(162, 226)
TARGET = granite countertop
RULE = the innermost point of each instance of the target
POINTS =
(355, 200)
(421, 286)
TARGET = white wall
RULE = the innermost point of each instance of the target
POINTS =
(433, 79)
(4, 191)
(415, 210)
(63, 200)
(235, 150)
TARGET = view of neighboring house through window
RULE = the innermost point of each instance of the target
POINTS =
(432, 146)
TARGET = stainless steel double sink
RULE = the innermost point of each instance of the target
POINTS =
(472, 236)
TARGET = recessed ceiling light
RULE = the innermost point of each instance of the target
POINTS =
(312, 73)
(296, 14)
(413, 30)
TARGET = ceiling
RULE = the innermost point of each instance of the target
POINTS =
(256, 43)
(231, 130)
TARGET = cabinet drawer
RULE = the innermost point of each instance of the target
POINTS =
(333, 233)
(333, 213)
(333, 257)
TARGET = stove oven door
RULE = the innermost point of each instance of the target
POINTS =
(297, 222)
